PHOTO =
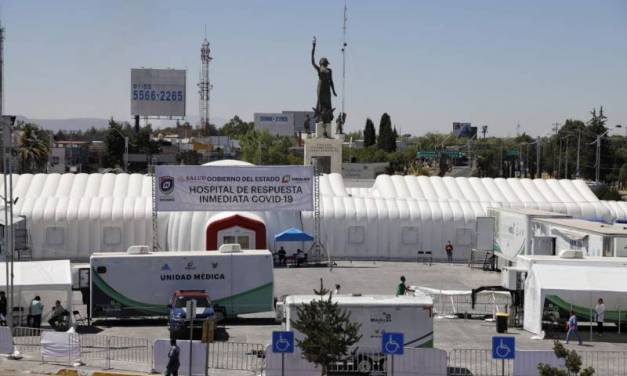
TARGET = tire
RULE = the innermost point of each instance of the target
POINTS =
(363, 365)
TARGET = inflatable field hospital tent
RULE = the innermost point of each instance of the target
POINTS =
(73, 215)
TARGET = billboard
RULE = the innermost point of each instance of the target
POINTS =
(275, 123)
(158, 92)
(248, 188)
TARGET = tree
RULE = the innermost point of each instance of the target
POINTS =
(114, 142)
(263, 148)
(572, 361)
(328, 330)
(188, 157)
(236, 127)
(370, 136)
(32, 149)
(386, 140)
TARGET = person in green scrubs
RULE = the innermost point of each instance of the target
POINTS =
(402, 288)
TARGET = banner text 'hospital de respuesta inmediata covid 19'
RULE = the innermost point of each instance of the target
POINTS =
(220, 188)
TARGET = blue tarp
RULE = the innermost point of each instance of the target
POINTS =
(293, 235)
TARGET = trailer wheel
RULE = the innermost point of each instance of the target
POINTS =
(363, 365)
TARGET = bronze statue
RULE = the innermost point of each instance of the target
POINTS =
(323, 110)
(339, 123)
(307, 123)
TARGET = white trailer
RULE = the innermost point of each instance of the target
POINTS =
(411, 315)
(513, 235)
(136, 285)
(377, 314)
(592, 238)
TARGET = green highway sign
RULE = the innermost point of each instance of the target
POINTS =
(455, 153)
(511, 153)
(427, 154)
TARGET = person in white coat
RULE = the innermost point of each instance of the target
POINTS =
(600, 315)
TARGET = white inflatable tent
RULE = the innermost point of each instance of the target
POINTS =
(73, 215)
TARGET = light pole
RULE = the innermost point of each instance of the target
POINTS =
(125, 148)
(598, 154)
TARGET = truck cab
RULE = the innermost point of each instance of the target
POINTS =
(177, 318)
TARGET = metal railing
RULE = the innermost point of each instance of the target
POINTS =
(466, 362)
(135, 353)
(235, 356)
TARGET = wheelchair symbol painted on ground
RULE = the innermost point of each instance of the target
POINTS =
(283, 342)
(392, 343)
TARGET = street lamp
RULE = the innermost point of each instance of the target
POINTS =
(125, 148)
(598, 156)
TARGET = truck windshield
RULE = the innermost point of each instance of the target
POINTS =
(201, 301)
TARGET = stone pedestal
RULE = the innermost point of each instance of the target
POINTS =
(328, 151)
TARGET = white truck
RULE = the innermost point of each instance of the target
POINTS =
(377, 314)
(141, 283)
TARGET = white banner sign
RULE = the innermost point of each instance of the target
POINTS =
(248, 188)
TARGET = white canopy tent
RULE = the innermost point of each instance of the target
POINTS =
(48, 279)
(577, 287)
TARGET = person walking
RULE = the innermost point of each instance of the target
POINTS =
(449, 251)
(35, 310)
(402, 288)
(600, 314)
(3, 309)
(172, 369)
(337, 289)
(572, 327)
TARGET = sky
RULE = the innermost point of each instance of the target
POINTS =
(427, 63)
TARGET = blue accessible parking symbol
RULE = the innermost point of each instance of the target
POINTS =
(392, 343)
(503, 347)
(283, 342)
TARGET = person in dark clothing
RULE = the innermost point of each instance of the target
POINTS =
(3, 309)
(172, 369)
(282, 256)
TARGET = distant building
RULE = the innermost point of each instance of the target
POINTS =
(299, 120)
(464, 130)
(278, 124)
(363, 170)
(286, 123)
(72, 156)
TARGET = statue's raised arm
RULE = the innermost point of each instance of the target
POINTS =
(313, 53)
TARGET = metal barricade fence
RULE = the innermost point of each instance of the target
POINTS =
(467, 362)
(27, 340)
(235, 356)
(607, 363)
(485, 304)
(109, 351)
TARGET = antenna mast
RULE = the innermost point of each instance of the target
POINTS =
(344, 59)
(204, 86)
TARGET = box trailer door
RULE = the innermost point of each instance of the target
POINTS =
(484, 233)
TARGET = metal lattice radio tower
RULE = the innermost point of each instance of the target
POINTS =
(204, 86)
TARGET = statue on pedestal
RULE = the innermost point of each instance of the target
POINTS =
(323, 112)
(339, 123)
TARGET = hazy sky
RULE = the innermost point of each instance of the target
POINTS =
(427, 63)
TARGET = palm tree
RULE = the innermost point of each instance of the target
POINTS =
(32, 151)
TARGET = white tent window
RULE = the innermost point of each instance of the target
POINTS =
(112, 236)
(463, 237)
(356, 235)
(409, 235)
(55, 235)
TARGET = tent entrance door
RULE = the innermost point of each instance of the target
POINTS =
(237, 235)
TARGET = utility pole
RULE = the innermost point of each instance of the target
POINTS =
(538, 158)
(566, 156)
(344, 44)
(577, 174)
